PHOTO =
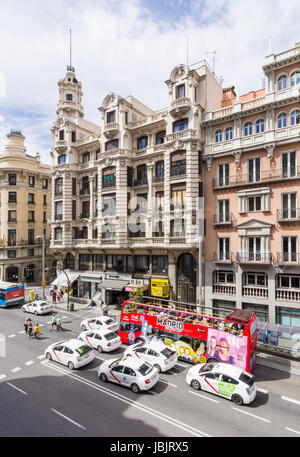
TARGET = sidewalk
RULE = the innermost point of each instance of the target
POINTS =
(114, 311)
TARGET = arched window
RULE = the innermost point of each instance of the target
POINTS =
(282, 82)
(295, 78)
(218, 136)
(229, 134)
(295, 117)
(260, 126)
(248, 129)
(282, 121)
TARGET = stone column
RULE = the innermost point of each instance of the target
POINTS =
(149, 217)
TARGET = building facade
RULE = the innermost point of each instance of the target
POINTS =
(252, 189)
(125, 193)
(25, 193)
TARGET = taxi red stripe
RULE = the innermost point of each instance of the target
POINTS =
(56, 355)
(115, 377)
(211, 386)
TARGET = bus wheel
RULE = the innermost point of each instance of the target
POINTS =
(237, 399)
(195, 384)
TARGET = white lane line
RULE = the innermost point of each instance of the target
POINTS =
(30, 362)
(292, 430)
(68, 419)
(261, 390)
(166, 382)
(17, 388)
(291, 400)
(253, 415)
(11, 336)
(41, 357)
(203, 396)
(2, 376)
(15, 370)
(21, 332)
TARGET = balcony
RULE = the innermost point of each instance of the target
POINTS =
(140, 182)
(58, 193)
(109, 183)
(223, 257)
(84, 215)
(158, 179)
(188, 134)
(178, 171)
(288, 215)
(255, 291)
(288, 295)
(84, 191)
(110, 129)
(180, 106)
(226, 289)
(253, 257)
(222, 219)
(58, 217)
(250, 179)
(285, 258)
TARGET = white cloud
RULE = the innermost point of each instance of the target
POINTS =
(130, 48)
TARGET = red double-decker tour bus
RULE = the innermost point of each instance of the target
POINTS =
(197, 338)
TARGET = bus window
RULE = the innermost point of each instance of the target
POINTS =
(2, 295)
(185, 339)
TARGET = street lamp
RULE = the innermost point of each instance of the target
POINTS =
(59, 267)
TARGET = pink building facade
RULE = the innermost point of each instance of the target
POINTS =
(252, 196)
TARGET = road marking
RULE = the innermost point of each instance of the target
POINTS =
(2, 376)
(30, 362)
(21, 332)
(41, 357)
(17, 388)
(140, 406)
(261, 390)
(292, 430)
(68, 419)
(253, 415)
(203, 396)
(166, 382)
(15, 370)
(11, 336)
(291, 400)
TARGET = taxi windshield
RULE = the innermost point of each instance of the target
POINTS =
(167, 352)
(83, 349)
(109, 321)
(246, 378)
(114, 363)
(145, 369)
(208, 367)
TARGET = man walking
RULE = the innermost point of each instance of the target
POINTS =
(53, 321)
(104, 309)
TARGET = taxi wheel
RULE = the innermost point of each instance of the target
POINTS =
(48, 356)
(135, 388)
(99, 348)
(71, 366)
(157, 366)
(237, 399)
(83, 328)
(23, 309)
(103, 377)
(195, 384)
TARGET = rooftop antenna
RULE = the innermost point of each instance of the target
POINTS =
(69, 67)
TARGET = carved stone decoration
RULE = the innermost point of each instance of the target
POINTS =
(108, 162)
(237, 158)
(208, 160)
(270, 150)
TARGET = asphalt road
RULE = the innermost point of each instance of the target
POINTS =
(42, 398)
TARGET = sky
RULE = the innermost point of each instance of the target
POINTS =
(128, 47)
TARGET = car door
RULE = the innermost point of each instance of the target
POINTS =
(98, 341)
(68, 355)
(152, 356)
(129, 376)
(58, 352)
(227, 386)
(91, 323)
(89, 338)
(211, 381)
(115, 374)
(98, 324)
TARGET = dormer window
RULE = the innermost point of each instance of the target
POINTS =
(69, 97)
(111, 117)
(180, 91)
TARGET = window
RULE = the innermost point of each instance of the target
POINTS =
(223, 175)
(45, 183)
(255, 279)
(12, 216)
(288, 164)
(159, 169)
(223, 249)
(289, 206)
(58, 233)
(282, 82)
(160, 264)
(295, 78)
(58, 186)
(73, 137)
(30, 236)
(229, 134)
(69, 97)
(141, 263)
(111, 117)
(282, 121)
(228, 379)
(224, 277)
(159, 138)
(61, 159)
(61, 135)
(289, 248)
(254, 204)
(126, 117)
(254, 244)
(11, 237)
(177, 227)
(218, 136)
(248, 129)
(254, 170)
(142, 142)
(180, 91)
(288, 281)
(223, 211)
(31, 181)
(295, 117)
(44, 199)
(12, 180)
(58, 210)
(31, 252)
(44, 216)
(30, 216)
(12, 254)
(12, 197)
(178, 197)
(112, 144)
(183, 124)
(86, 157)
(260, 126)
(129, 371)
(31, 198)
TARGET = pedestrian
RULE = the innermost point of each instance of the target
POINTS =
(58, 296)
(30, 330)
(92, 303)
(104, 309)
(26, 326)
(36, 331)
(53, 321)
(62, 295)
(58, 323)
(54, 297)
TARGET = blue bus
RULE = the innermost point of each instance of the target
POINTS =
(11, 294)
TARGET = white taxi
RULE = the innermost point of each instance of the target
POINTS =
(154, 352)
(129, 372)
(73, 353)
(102, 340)
(225, 380)
(37, 307)
(99, 323)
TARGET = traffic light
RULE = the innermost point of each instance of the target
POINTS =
(26, 272)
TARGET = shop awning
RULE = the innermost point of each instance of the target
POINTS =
(113, 284)
(61, 280)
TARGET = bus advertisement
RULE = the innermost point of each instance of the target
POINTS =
(197, 338)
(11, 294)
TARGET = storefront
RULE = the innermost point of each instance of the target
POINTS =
(83, 285)
(113, 289)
